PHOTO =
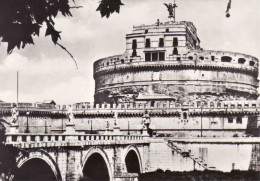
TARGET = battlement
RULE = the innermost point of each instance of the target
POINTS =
(162, 26)
(140, 107)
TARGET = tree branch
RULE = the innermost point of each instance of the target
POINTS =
(69, 54)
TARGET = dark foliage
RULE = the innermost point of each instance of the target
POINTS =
(7, 155)
(234, 175)
(21, 20)
(7, 160)
(107, 7)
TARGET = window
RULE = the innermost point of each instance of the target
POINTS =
(239, 120)
(201, 58)
(147, 57)
(212, 58)
(179, 58)
(190, 58)
(152, 103)
(147, 43)
(175, 42)
(146, 31)
(122, 61)
(230, 120)
(175, 51)
(167, 30)
(185, 115)
(134, 54)
(226, 59)
(134, 44)
(155, 56)
(251, 63)
(161, 56)
(161, 42)
(241, 60)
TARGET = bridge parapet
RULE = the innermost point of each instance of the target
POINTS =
(25, 140)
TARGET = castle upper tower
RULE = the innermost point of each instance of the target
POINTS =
(162, 41)
(164, 62)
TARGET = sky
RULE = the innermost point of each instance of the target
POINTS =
(46, 72)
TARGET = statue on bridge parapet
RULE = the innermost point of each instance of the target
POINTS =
(115, 117)
(116, 126)
(146, 123)
(70, 114)
(14, 126)
(70, 126)
(15, 114)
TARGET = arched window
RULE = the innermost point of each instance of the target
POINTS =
(226, 59)
(241, 60)
(252, 63)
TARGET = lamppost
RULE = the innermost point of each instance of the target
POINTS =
(128, 131)
(62, 121)
(45, 127)
(201, 119)
(27, 121)
(91, 127)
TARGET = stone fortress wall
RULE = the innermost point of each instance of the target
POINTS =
(212, 118)
(197, 72)
(166, 59)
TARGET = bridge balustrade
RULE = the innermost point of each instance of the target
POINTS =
(16, 138)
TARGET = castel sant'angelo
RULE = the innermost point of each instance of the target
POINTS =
(166, 81)
(165, 68)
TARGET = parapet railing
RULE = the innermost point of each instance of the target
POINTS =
(19, 138)
(189, 155)
(204, 57)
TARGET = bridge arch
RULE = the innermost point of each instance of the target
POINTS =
(43, 158)
(100, 159)
(133, 160)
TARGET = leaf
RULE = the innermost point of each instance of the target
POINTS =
(107, 7)
(55, 35)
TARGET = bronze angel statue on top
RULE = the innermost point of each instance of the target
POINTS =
(170, 8)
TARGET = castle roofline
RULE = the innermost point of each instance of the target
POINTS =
(167, 24)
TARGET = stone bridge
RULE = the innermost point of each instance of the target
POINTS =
(75, 156)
